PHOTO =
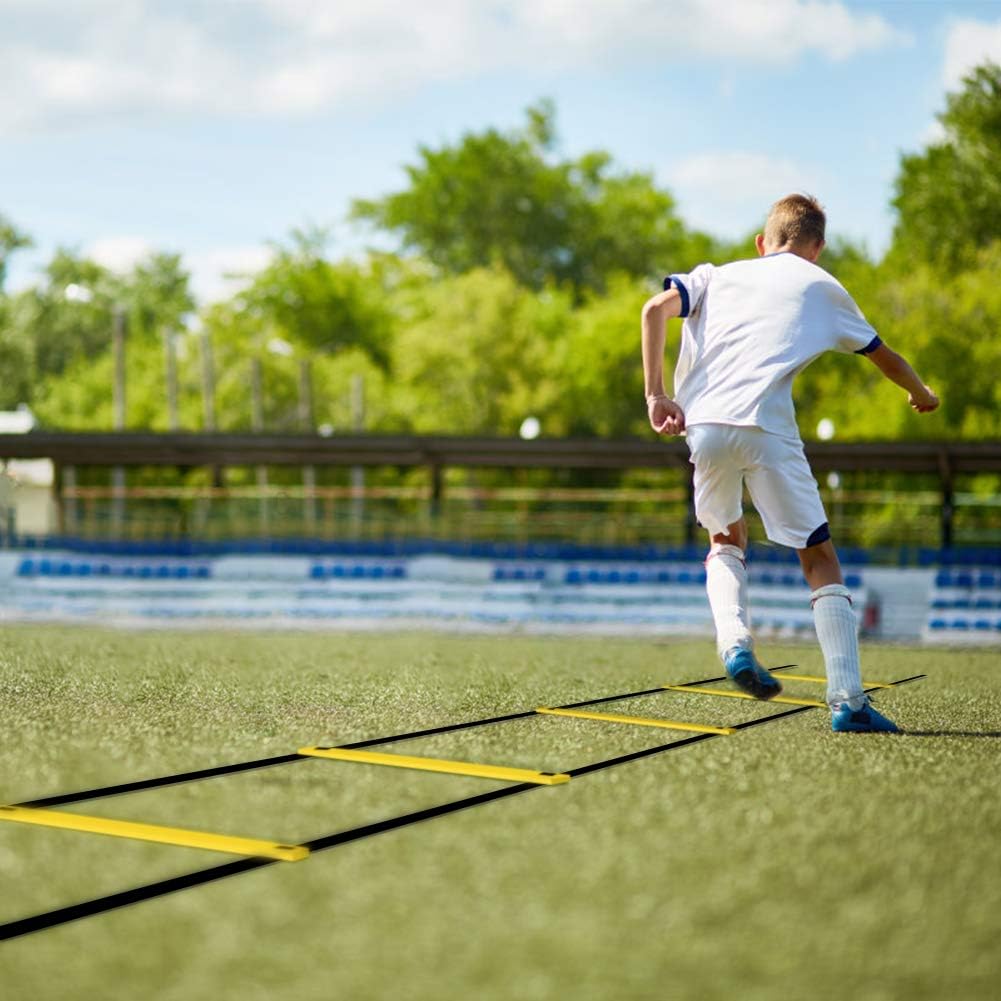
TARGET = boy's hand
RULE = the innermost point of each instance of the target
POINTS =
(924, 402)
(666, 417)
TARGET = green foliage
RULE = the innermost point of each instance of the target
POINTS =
(521, 297)
(156, 296)
(948, 198)
(601, 381)
(60, 327)
(15, 362)
(60, 331)
(496, 198)
(11, 240)
(476, 354)
(325, 307)
(80, 397)
(936, 296)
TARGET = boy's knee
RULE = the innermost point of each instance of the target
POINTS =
(820, 565)
(831, 591)
(726, 550)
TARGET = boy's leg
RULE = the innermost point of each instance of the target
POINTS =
(785, 493)
(726, 586)
(717, 455)
(834, 620)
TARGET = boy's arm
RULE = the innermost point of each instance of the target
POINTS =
(666, 417)
(896, 368)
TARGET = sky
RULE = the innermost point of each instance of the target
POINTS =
(211, 128)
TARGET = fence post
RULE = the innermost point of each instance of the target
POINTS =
(170, 377)
(257, 424)
(948, 500)
(216, 473)
(357, 472)
(118, 406)
(68, 508)
(306, 422)
(436, 492)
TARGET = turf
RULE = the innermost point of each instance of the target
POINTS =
(782, 862)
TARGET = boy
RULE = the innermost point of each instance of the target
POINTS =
(750, 327)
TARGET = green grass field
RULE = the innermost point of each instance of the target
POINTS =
(784, 862)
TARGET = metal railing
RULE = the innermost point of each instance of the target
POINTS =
(893, 493)
(862, 518)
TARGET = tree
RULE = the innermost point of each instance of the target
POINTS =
(476, 354)
(11, 240)
(15, 364)
(323, 307)
(68, 316)
(948, 198)
(596, 364)
(496, 198)
(156, 295)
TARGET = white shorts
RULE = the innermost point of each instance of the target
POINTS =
(778, 479)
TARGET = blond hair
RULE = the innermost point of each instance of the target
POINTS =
(796, 220)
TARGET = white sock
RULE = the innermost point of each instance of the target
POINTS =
(834, 619)
(726, 585)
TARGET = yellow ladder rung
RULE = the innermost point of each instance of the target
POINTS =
(639, 721)
(151, 832)
(818, 680)
(437, 765)
(783, 699)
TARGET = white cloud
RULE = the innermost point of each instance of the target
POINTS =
(221, 272)
(968, 44)
(728, 194)
(216, 273)
(97, 58)
(118, 253)
(933, 134)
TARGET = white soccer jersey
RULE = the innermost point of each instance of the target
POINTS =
(750, 327)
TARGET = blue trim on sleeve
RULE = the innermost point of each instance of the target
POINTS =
(876, 342)
(682, 291)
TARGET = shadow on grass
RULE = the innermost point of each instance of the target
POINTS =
(952, 733)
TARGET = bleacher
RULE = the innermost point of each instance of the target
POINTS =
(964, 606)
(534, 589)
(83, 567)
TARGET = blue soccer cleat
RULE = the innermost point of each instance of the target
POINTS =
(747, 674)
(865, 720)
